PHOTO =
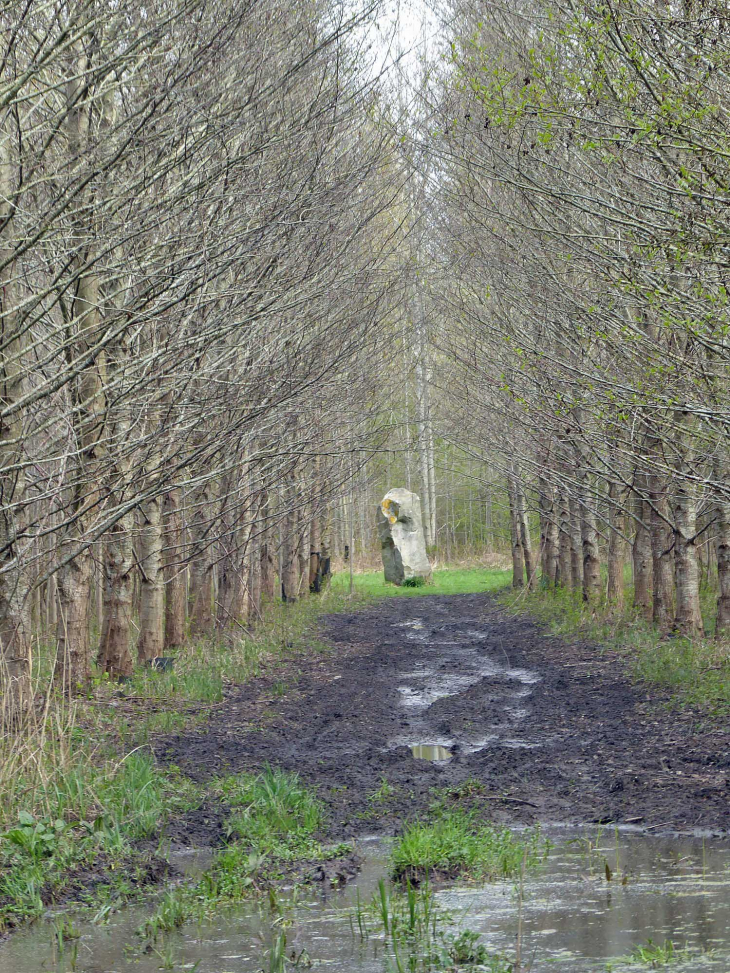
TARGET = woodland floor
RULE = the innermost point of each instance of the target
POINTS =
(540, 729)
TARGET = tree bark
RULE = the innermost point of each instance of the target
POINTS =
(688, 617)
(641, 553)
(722, 515)
(518, 561)
(565, 561)
(289, 553)
(115, 656)
(15, 626)
(173, 572)
(576, 544)
(151, 641)
(662, 550)
(525, 539)
(201, 566)
(616, 546)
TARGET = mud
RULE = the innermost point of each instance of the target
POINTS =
(537, 728)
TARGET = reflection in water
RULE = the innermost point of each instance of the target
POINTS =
(575, 921)
(430, 751)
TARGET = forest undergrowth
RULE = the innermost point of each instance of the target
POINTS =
(86, 805)
(695, 672)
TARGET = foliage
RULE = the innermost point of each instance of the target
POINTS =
(419, 934)
(457, 843)
(273, 813)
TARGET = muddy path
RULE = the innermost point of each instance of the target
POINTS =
(550, 730)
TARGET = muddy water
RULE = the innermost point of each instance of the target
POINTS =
(455, 659)
(574, 920)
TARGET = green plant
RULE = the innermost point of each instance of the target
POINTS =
(382, 793)
(457, 843)
(277, 955)
(655, 955)
(273, 813)
(413, 582)
(38, 839)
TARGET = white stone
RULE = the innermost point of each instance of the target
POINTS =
(403, 545)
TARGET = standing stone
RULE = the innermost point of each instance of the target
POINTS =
(401, 537)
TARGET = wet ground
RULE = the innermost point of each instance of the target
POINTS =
(548, 730)
(573, 919)
(451, 699)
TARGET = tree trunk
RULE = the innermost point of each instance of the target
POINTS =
(173, 572)
(15, 628)
(549, 539)
(576, 544)
(662, 549)
(254, 585)
(315, 551)
(151, 641)
(525, 539)
(565, 561)
(518, 562)
(289, 553)
(688, 617)
(616, 546)
(73, 662)
(591, 558)
(722, 515)
(89, 404)
(267, 581)
(201, 566)
(641, 553)
(115, 656)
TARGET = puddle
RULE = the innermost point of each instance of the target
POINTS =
(573, 919)
(456, 659)
(430, 751)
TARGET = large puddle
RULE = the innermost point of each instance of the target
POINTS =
(573, 919)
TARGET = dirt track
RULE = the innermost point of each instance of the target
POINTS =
(553, 731)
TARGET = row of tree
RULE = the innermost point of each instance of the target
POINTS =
(198, 247)
(579, 170)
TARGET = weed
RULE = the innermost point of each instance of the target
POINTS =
(273, 813)
(419, 934)
(383, 793)
(414, 582)
(655, 955)
(455, 843)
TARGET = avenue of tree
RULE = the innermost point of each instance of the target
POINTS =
(244, 289)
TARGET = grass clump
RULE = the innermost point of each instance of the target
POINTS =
(457, 844)
(274, 814)
(419, 935)
(652, 955)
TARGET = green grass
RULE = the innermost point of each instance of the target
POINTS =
(96, 816)
(447, 581)
(419, 935)
(273, 824)
(457, 844)
(653, 956)
(274, 814)
(696, 672)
